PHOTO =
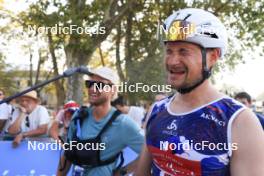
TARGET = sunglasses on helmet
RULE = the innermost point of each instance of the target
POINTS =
(178, 30)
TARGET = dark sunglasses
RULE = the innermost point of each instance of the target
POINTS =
(27, 122)
(98, 84)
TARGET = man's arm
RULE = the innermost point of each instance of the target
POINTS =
(131, 137)
(144, 164)
(2, 124)
(42, 129)
(129, 168)
(39, 131)
(16, 126)
(54, 130)
(64, 166)
(248, 159)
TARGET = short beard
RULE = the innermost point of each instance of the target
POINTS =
(188, 85)
(99, 102)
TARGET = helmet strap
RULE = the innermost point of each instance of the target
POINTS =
(206, 73)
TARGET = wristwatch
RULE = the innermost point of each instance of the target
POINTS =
(123, 171)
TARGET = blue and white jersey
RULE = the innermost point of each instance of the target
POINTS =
(196, 143)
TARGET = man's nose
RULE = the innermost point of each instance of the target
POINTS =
(173, 59)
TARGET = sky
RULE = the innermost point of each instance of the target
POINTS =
(248, 77)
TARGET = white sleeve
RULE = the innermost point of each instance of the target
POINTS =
(15, 115)
(4, 111)
(44, 117)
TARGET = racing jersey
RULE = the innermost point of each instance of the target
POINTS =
(196, 143)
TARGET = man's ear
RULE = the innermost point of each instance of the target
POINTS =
(212, 56)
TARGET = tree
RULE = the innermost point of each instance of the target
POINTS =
(143, 53)
(102, 15)
(135, 28)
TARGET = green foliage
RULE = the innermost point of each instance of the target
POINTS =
(243, 21)
(7, 77)
(142, 59)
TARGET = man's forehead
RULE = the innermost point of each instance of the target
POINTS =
(26, 98)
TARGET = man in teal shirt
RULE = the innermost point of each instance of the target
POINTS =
(123, 131)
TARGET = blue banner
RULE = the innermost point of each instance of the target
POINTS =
(29, 160)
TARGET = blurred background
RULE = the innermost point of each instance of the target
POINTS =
(127, 42)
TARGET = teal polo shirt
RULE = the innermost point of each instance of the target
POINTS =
(123, 132)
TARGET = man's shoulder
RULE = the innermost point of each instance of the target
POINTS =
(41, 108)
(161, 104)
(4, 106)
(125, 120)
(41, 112)
(122, 117)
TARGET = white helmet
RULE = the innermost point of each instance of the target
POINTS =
(204, 29)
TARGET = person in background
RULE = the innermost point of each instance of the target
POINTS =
(63, 119)
(4, 111)
(160, 96)
(135, 112)
(13, 114)
(32, 120)
(245, 98)
(87, 123)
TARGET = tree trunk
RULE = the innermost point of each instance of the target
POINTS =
(60, 91)
(76, 55)
(30, 69)
(128, 55)
(118, 59)
(40, 62)
(75, 58)
(101, 55)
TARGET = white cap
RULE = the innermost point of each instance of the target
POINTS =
(106, 73)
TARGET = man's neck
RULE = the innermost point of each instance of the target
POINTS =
(203, 94)
(101, 111)
(32, 109)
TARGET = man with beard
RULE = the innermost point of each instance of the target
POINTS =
(89, 123)
(29, 120)
(199, 130)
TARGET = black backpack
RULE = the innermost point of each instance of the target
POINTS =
(91, 158)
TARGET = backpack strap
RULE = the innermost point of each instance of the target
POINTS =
(112, 159)
(78, 119)
(82, 113)
(108, 124)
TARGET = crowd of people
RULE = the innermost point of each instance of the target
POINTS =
(197, 112)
